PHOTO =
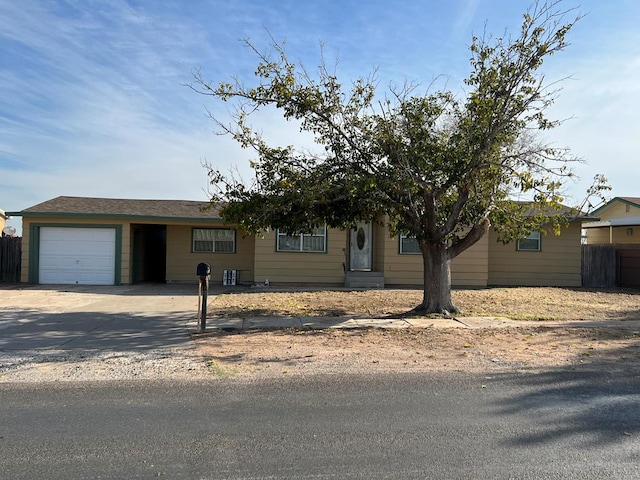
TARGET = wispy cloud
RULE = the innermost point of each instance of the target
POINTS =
(93, 102)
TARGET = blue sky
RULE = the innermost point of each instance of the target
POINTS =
(93, 102)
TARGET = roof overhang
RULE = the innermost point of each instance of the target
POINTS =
(614, 222)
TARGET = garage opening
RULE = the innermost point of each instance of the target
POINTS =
(149, 262)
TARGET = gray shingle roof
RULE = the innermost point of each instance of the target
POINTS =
(635, 200)
(119, 207)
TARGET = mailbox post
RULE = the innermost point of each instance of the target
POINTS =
(203, 271)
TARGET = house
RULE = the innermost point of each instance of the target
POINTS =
(69, 240)
(619, 222)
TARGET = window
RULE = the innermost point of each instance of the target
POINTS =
(316, 241)
(408, 245)
(530, 243)
(214, 240)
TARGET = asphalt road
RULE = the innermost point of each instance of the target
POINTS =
(564, 425)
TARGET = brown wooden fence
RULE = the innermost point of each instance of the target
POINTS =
(10, 259)
(628, 267)
(599, 266)
(608, 266)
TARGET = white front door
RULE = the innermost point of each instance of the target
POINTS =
(360, 251)
(84, 256)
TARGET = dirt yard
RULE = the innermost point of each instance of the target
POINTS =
(561, 328)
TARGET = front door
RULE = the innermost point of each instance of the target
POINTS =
(360, 251)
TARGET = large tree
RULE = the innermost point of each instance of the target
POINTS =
(434, 166)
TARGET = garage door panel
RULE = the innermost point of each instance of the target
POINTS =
(82, 249)
(77, 256)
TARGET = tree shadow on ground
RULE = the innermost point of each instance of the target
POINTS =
(31, 337)
(593, 403)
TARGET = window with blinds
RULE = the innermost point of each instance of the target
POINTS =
(316, 241)
(214, 240)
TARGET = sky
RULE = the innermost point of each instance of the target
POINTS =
(94, 102)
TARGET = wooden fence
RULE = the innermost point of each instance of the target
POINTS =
(10, 259)
(608, 266)
(599, 266)
(628, 266)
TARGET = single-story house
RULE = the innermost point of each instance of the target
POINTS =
(78, 240)
(619, 222)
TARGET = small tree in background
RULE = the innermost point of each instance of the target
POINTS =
(435, 167)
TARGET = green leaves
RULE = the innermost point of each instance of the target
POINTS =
(437, 166)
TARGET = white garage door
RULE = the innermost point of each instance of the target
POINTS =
(83, 256)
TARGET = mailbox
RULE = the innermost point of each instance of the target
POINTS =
(203, 270)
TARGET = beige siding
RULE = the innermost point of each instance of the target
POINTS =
(627, 234)
(24, 268)
(380, 237)
(618, 209)
(558, 263)
(624, 234)
(598, 235)
(471, 268)
(468, 269)
(182, 262)
(301, 267)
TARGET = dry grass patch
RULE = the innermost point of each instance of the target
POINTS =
(519, 303)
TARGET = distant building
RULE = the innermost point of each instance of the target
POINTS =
(619, 222)
(3, 220)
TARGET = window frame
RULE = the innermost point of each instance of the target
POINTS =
(533, 236)
(401, 250)
(300, 240)
(193, 240)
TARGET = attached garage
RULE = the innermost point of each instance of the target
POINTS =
(83, 256)
(110, 241)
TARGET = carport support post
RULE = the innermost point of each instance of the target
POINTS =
(204, 290)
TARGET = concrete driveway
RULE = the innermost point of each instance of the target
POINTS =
(131, 318)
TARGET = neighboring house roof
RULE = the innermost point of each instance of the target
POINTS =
(633, 201)
(121, 208)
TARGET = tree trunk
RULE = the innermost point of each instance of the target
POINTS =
(437, 280)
